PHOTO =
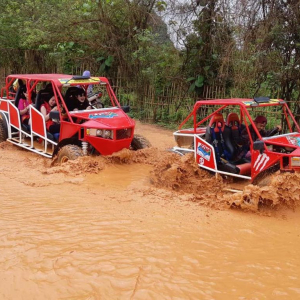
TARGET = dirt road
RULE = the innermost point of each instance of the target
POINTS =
(142, 225)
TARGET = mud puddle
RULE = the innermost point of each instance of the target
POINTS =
(120, 177)
(138, 226)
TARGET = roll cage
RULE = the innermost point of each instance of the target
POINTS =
(191, 136)
(105, 130)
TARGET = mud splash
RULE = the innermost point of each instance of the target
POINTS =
(182, 176)
(82, 165)
(151, 156)
(283, 191)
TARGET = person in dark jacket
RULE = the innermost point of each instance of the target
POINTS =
(260, 123)
(81, 102)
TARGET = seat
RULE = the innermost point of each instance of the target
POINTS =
(43, 95)
(215, 136)
(235, 127)
(233, 120)
(40, 98)
(233, 133)
(220, 136)
(234, 123)
(18, 95)
(70, 97)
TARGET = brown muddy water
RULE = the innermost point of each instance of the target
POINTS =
(142, 225)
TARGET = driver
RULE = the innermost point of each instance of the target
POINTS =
(260, 123)
(81, 102)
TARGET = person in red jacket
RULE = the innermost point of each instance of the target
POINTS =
(46, 108)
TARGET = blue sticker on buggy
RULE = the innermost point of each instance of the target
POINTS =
(103, 115)
(294, 140)
(204, 151)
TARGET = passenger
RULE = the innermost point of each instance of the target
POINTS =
(14, 87)
(23, 107)
(17, 83)
(46, 108)
(44, 93)
(260, 123)
(81, 102)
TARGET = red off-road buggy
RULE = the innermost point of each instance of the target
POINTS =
(105, 129)
(212, 131)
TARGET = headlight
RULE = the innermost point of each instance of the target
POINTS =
(107, 133)
(295, 161)
(104, 133)
(99, 132)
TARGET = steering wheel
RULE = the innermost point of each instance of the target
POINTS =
(96, 105)
(100, 105)
(273, 131)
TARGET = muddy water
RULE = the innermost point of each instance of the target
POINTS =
(104, 228)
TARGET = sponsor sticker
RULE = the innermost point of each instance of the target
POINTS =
(294, 140)
(103, 115)
(204, 151)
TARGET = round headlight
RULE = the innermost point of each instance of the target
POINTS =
(107, 133)
(99, 132)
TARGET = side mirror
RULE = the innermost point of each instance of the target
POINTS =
(259, 145)
(54, 115)
(126, 108)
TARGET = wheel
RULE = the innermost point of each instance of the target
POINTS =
(139, 142)
(68, 152)
(265, 177)
(3, 130)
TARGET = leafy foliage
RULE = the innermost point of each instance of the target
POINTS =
(255, 53)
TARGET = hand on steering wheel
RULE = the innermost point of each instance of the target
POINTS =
(275, 130)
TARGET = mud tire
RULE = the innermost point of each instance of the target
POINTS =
(3, 130)
(139, 142)
(68, 152)
(265, 178)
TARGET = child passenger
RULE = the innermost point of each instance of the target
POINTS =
(46, 108)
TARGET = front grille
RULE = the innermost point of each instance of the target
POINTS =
(123, 133)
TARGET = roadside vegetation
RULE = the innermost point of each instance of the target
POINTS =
(161, 56)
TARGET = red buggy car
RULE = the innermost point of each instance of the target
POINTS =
(101, 130)
(212, 129)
